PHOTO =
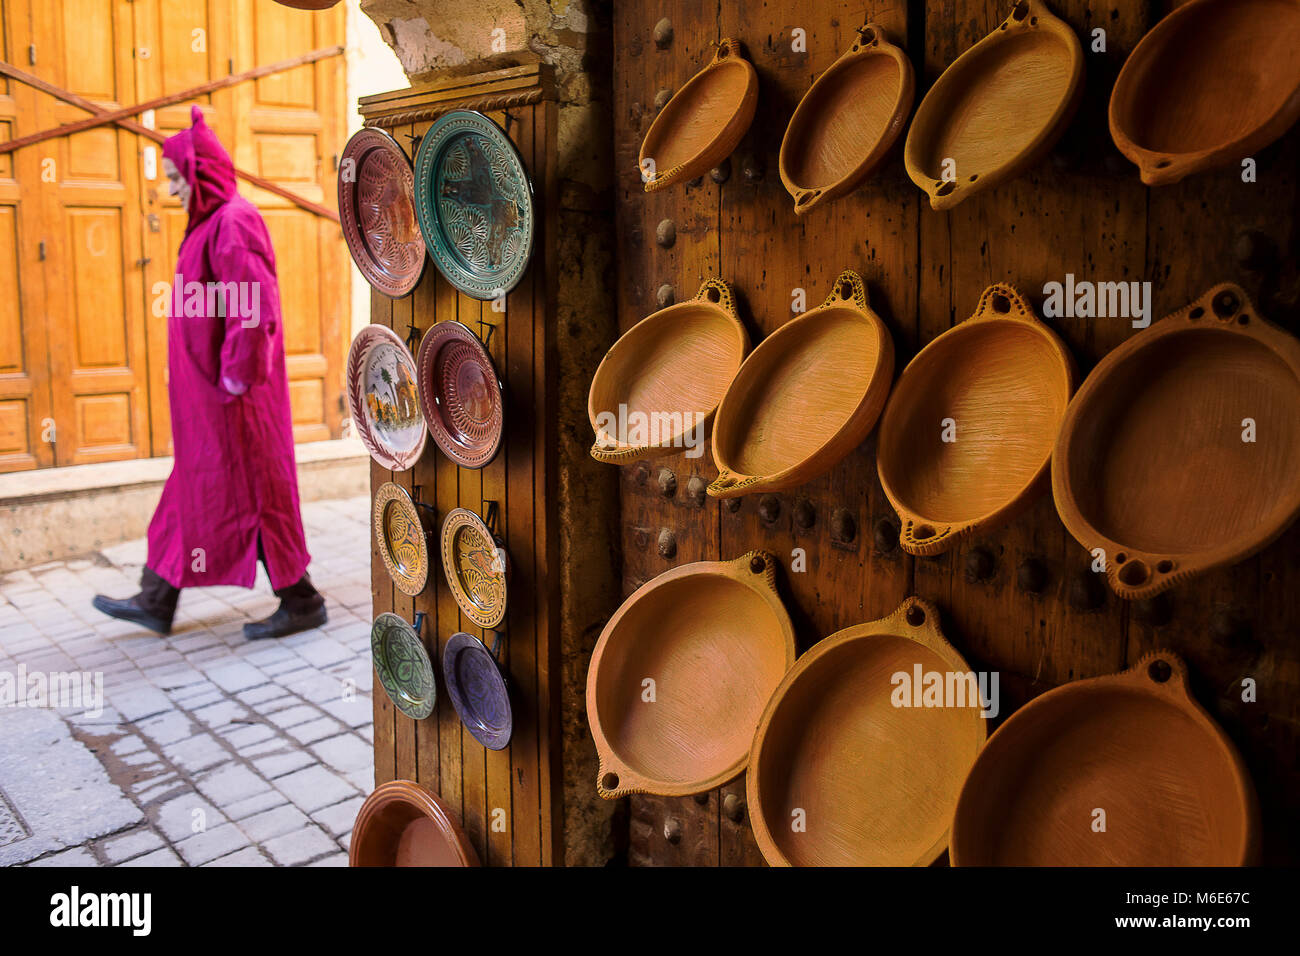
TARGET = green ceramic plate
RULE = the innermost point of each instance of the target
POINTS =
(475, 204)
(403, 664)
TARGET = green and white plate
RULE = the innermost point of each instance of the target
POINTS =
(403, 664)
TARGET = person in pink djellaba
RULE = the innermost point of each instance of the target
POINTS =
(232, 496)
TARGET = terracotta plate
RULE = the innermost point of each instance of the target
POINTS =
(659, 384)
(403, 664)
(1135, 745)
(383, 400)
(1213, 83)
(478, 690)
(1181, 451)
(998, 109)
(967, 436)
(475, 204)
(404, 824)
(806, 397)
(715, 640)
(703, 123)
(377, 211)
(847, 121)
(872, 782)
(403, 541)
(461, 395)
(475, 566)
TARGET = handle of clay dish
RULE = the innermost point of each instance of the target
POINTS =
(848, 287)
(617, 456)
(1160, 669)
(717, 292)
(757, 562)
(1004, 301)
(1135, 575)
(869, 35)
(727, 47)
(921, 537)
(729, 485)
(614, 781)
(919, 619)
(805, 199)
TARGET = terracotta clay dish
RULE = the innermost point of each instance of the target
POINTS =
(806, 397)
(404, 824)
(998, 108)
(377, 212)
(875, 783)
(1135, 745)
(1212, 83)
(403, 664)
(715, 640)
(1181, 451)
(382, 398)
(477, 689)
(847, 121)
(460, 395)
(703, 123)
(402, 537)
(967, 436)
(475, 566)
(665, 377)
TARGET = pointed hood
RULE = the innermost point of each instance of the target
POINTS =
(205, 164)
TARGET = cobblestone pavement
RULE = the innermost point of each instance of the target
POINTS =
(210, 750)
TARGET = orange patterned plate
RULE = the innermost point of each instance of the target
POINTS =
(475, 565)
(403, 540)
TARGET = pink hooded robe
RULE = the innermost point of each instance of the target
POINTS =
(234, 475)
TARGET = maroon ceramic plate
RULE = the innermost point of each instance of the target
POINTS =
(377, 211)
(461, 395)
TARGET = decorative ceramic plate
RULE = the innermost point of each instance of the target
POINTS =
(806, 396)
(1181, 452)
(475, 204)
(403, 541)
(714, 640)
(659, 384)
(1135, 745)
(967, 436)
(377, 211)
(403, 664)
(703, 123)
(461, 395)
(404, 824)
(876, 782)
(998, 109)
(475, 566)
(478, 690)
(1176, 110)
(383, 399)
(847, 121)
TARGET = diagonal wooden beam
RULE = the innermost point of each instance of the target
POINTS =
(112, 116)
(22, 76)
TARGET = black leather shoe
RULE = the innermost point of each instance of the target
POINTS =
(136, 612)
(285, 622)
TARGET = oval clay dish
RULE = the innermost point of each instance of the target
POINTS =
(1212, 83)
(703, 123)
(998, 108)
(460, 394)
(1181, 451)
(1135, 744)
(377, 212)
(404, 824)
(716, 640)
(806, 397)
(383, 401)
(847, 121)
(967, 436)
(665, 377)
(402, 537)
(475, 566)
(876, 781)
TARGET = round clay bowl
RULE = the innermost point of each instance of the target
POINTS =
(1151, 465)
(847, 121)
(1214, 82)
(377, 213)
(704, 121)
(715, 640)
(1004, 379)
(1135, 745)
(999, 108)
(806, 397)
(669, 370)
(403, 540)
(461, 395)
(873, 784)
(478, 690)
(404, 824)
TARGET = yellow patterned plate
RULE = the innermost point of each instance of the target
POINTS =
(475, 565)
(403, 542)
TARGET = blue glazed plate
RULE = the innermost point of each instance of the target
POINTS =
(477, 690)
(475, 204)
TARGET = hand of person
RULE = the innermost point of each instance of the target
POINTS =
(233, 387)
